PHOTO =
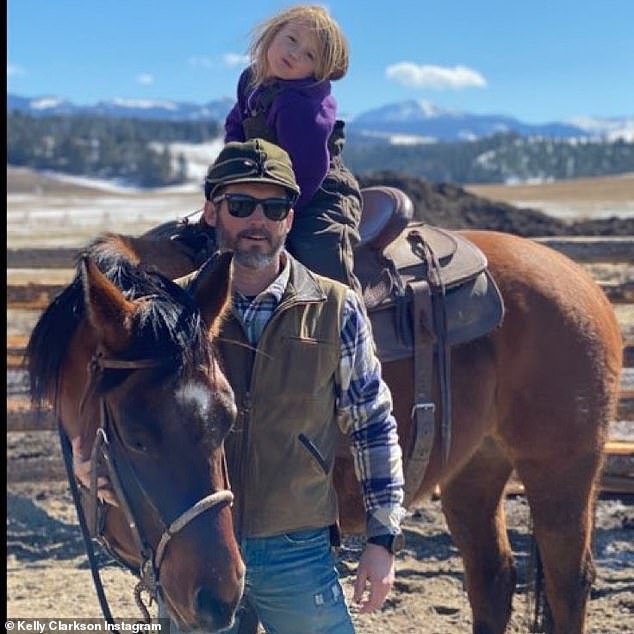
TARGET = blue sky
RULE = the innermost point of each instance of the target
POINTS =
(538, 60)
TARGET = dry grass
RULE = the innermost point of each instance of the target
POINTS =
(616, 189)
(22, 180)
(45, 211)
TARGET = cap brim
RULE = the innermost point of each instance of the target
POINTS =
(251, 179)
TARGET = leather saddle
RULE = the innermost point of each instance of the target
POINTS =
(426, 289)
(395, 253)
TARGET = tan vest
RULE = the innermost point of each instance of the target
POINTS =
(281, 451)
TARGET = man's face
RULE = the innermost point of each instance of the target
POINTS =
(256, 241)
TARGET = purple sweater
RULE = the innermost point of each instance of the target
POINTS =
(302, 116)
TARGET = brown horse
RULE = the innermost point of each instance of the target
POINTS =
(157, 401)
(535, 395)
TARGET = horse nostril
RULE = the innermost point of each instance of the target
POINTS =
(215, 613)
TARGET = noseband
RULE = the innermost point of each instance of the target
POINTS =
(104, 451)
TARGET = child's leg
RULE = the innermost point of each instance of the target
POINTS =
(325, 248)
(325, 232)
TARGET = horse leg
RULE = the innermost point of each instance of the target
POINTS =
(473, 505)
(561, 498)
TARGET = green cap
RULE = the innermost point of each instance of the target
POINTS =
(253, 161)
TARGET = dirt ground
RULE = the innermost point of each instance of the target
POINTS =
(48, 576)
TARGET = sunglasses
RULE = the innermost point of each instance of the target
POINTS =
(242, 206)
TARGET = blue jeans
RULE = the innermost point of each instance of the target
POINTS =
(293, 585)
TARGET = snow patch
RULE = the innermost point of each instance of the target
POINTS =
(45, 103)
(143, 104)
(611, 129)
(198, 156)
(410, 139)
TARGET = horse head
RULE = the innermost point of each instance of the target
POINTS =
(153, 409)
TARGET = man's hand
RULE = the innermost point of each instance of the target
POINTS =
(376, 567)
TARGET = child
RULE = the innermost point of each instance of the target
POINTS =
(284, 97)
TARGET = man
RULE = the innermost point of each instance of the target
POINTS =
(298, 353)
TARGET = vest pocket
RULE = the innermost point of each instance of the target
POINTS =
(314, 452)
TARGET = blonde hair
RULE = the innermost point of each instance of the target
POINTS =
(332, 56)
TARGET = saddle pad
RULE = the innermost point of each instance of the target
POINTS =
(380, 272)
(474, 308)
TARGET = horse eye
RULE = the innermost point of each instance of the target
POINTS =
(137, 445)
(138, 442)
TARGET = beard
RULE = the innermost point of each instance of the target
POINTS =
(255, 256)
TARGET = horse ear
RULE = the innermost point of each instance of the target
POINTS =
(109, 312)
(211, 290)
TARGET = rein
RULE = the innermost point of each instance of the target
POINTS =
(103, 450)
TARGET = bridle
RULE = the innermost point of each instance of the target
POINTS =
(108, 449)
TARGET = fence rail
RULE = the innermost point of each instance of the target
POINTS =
(591, 249)
(584, 249)
(42, 258)
(37, 296)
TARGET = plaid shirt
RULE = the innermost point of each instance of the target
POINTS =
(364, 402)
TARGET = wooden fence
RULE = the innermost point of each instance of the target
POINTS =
(34, 296)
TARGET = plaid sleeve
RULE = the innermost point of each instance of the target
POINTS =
(365, 414)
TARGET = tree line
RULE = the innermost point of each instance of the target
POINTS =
(498, 158)
(136, 151)
(132, 150)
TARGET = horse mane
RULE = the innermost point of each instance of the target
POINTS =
(168, 326)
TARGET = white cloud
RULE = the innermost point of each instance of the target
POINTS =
(230, 60)
(145, 79)
(438, 77)
(14, 71)
(201, 60)
(235, 59)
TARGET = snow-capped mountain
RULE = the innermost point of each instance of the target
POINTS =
(612, 128)
(407, 122)
(165, 110)
(423, 119)
(40, 105)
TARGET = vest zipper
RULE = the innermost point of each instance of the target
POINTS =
(248, 408)
(244, 458)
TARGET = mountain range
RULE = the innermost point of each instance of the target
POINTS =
(408, 122)
(414, 121)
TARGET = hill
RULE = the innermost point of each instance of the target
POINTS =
(453, 207)
(28, 181)
(500, 158)
(601, 196)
